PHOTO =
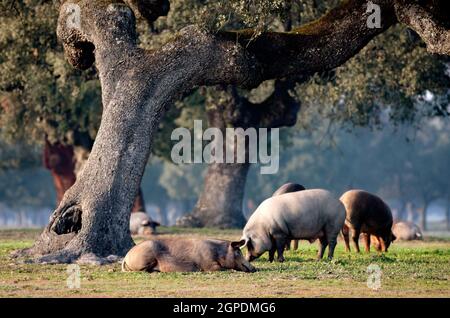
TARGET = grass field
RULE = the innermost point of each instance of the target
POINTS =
(410, 269)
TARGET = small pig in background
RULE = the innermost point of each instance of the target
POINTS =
(288, 188)
(307, 215)
(369, 215)
(142, 224)
(186, 255)
(407, 231)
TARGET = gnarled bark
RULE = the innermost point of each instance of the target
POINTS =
(138, 85)
(426, 20)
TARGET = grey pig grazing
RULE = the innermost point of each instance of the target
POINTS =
(367, 214)
(407, 231)
(142, 224)
(306, 215)
(288, 188)
(186, 255)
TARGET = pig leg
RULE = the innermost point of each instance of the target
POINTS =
(295, 245)
(382, 244)
(376, 243)
(355, 239)
(346, 236)
(366, 238)
(280, 243)
(288, 245)
(323, 245)
(272, 254)
(332, 245)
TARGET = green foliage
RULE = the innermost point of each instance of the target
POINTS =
(391, 76)
(47, 96)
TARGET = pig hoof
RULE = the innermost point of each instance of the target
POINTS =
(281, 259)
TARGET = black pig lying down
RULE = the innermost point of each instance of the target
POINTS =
(186, 255)
(306, 215)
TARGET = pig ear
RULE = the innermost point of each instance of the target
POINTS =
(393, 237)
(237, 245)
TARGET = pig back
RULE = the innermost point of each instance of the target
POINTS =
(300, 214)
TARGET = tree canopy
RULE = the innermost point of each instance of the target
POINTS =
(42, 94)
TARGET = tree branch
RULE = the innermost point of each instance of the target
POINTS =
(433, 32)
(280, 109)
(318, 46)
(150, 10)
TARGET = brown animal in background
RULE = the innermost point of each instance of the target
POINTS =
(367, 214)
(186, 255)
(407, 231)
(287, 188)
(59, 159)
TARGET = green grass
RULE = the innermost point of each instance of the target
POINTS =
(410, 269)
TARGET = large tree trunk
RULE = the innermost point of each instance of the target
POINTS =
(93, 217)
(81, 154)
(220, 203)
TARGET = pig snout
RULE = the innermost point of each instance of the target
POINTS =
(244, 266)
